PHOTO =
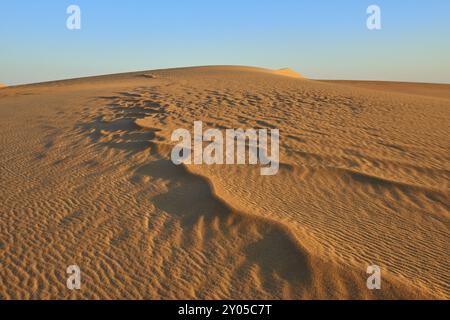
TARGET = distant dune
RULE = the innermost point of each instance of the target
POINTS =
(425, 89)
(288, 72)
(87, 179)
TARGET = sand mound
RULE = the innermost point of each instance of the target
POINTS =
(289, 73)
(364, 179)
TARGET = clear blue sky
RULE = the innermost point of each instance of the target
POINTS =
(321, 38)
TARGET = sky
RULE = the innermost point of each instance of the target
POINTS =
(321, 39)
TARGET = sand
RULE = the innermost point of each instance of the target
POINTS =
(288, 72)
(87, 179)
(423, 89)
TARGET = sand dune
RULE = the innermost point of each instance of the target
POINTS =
(288, 72)
(87, 180)
(425, 89)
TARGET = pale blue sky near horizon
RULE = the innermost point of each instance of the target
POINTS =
(322, 39)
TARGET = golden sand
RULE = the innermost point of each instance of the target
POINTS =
(87, 179)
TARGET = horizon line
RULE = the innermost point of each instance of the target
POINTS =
(119, 73)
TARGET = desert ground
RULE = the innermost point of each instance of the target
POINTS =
(87, 180)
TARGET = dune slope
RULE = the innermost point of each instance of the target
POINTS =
(87, 180)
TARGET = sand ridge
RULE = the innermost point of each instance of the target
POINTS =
(90, 181)
(289, 73)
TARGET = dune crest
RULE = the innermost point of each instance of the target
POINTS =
(289, 73)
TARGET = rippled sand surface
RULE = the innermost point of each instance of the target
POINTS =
(87, 179)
